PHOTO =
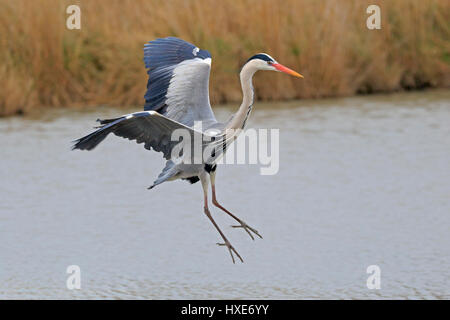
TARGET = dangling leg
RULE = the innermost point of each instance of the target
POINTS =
(242, 224)
(204, 180)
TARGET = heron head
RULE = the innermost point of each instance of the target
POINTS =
(262, 61)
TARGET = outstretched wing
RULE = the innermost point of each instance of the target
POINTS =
(148, 127)
(178, 85)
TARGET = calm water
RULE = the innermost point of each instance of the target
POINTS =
(362, 181)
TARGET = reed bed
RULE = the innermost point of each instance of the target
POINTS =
(43, 64)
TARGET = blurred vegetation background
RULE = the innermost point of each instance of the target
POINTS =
(43, 64)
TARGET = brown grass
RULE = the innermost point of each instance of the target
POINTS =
(43, 64)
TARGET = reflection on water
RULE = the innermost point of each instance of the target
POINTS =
(362, 181)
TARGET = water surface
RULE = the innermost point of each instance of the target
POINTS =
(362, 181)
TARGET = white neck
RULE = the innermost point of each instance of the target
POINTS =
(240, 118)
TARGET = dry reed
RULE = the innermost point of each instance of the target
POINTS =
(44, 64)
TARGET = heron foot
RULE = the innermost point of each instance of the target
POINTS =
(231, 249)
(247, 228)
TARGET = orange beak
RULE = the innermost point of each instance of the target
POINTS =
(284, 69)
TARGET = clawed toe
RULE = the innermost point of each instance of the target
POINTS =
(231, 249)
(247, 228)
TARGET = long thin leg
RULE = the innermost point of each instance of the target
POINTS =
(242, 224)
(226, 243)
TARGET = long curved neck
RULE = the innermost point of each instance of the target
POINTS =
(240, 118)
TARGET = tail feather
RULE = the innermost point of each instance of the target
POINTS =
(169, 172)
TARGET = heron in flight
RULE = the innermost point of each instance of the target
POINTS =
(177, 97)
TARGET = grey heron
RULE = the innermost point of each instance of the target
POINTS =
(177, 96)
